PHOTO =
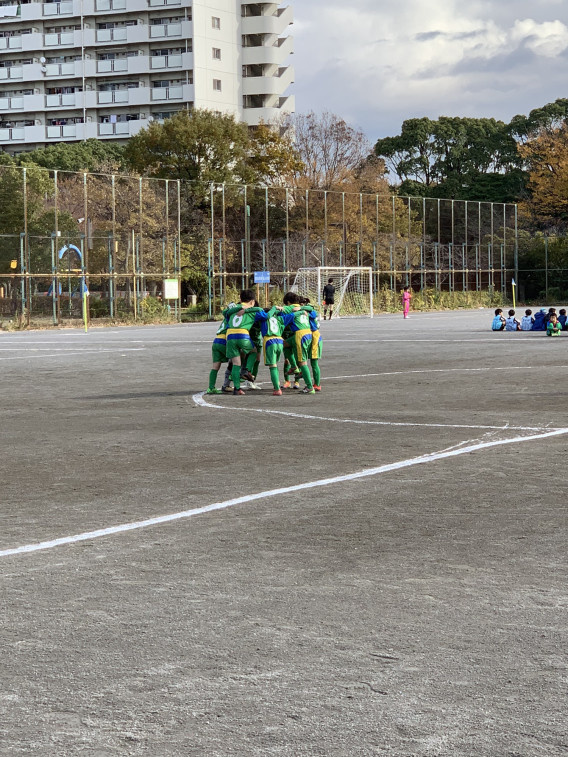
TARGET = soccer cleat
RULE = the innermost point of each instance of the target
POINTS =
(296, 385)
(252, 385)
(277, 392)
(286, 385)
(238, 391)
(213, 391)
(227, 389)
(317, 388)
(247, 375)
(307, 390)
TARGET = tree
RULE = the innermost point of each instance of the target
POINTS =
(548, 118)
(91, 155)
(330, 149)
(197, 146)
(272, 158)
(410, 155)
(547, 160)
(460, 158)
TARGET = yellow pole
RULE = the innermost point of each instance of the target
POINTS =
(514, 286)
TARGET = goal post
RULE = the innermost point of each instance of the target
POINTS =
(353, 288)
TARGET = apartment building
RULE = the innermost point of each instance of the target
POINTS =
(79, 69)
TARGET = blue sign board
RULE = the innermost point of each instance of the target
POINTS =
(262, 277)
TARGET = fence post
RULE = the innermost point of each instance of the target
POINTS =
(546, 268)
(209, 275)
(111, 251)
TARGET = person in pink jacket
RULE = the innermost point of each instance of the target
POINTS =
(406, 297)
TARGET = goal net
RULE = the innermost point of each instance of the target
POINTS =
(353, 288)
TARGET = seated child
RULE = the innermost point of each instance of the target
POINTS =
(527, 321)
(551, 312)
(539, 320)
(512, 324)
(498, 321)
(562, 318)
(553, 328)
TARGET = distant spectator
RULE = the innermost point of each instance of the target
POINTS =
(562, 318)
(512, 324)
(527, 321)
(553, 328)
(498, 321)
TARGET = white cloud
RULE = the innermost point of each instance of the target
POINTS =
(377, 63)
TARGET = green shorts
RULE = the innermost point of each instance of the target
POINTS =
(273, 348)
(219, 350)
(238, 344)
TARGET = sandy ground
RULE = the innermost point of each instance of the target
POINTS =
(418, 610)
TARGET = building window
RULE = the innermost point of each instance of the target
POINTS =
(215, 22)
(217, 85)
(216, 53)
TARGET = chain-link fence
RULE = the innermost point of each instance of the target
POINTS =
(121, 236)
(62, 233)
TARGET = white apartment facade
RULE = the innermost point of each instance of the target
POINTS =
(77, 69)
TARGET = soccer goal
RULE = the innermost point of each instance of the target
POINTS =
(353, 288)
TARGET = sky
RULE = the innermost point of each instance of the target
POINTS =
(376, 63)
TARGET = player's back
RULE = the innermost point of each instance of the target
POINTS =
(242, 319)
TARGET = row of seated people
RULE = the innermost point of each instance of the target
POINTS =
(542, 320)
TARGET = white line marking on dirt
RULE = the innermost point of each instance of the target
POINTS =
(200, 400)
(404, 341)
(448, 370)
(422, 460)
(54, 353)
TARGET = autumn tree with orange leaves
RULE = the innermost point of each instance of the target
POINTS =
(546, 158)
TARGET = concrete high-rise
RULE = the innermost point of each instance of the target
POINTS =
(80, 69)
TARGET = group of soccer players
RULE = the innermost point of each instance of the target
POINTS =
(247, 330)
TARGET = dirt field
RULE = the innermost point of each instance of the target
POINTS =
(383, 571)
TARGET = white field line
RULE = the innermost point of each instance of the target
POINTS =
(200, 400)
(422, 460)
(448, 370)
(90, 348)
(54, 353)
(91, 342)
(404, 341)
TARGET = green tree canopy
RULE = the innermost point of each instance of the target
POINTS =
(455, 157)
(197, 146)
(91, 155)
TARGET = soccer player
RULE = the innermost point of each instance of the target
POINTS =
(239, 340)
(271, 328)
(298, 322)
(316, 350)
(328, 298)
(219, 348)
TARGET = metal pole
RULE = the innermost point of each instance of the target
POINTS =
(209, 275)
(221, 287)
(477, 273)
(546, 267)
(111, 272)
(53, 281)
(516, 246)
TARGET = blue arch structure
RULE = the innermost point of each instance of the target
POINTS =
(74, 248)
